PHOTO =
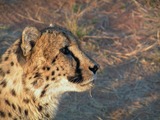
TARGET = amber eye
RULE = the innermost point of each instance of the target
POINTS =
(65, 50)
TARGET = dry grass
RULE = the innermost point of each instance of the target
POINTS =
(145, 37)
(123, 36)
(72, 18)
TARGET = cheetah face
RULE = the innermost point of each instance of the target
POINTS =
(54, 61)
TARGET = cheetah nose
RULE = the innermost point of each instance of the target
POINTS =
(94, 68)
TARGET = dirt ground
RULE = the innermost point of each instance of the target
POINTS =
(121, 35)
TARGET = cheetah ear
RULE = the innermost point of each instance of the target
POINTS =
(29, 37)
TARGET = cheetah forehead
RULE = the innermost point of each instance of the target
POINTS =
(57, 30)
(53, 38)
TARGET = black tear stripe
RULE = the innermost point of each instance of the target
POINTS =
(2, 114)
(78, 73)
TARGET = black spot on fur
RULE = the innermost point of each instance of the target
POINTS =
(47, 78)
(8, 72)
(46, 104)
(53, 78)
(7, 102)
(34, 82)
(19, 108)
(57, 69)
(9, 115)
(26, 112)
(13, 92)
(54, 60)
(42, 93)
(47, 115)
(15, 119)
(53, 72)
(13, 106)
(26, 89)
(62, 68)
(48, 68)
(3, 83)
(37, 75)
(33, 99)
(26, 101)
(59, 74)
(40, 108)
(2, 114)
(44, 68)
(12, 63)
(6, 58)
(46, 86)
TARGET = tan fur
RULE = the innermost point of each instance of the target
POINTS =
(33, 77)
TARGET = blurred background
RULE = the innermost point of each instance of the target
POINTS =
(123, 36)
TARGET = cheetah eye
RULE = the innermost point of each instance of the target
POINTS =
(65, 50)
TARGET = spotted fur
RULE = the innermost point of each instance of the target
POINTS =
(37, 69)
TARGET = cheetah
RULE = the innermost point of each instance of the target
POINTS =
(38, 69)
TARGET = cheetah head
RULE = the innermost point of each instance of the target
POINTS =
(52, 61)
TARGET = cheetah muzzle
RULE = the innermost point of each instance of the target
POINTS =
(38, 68)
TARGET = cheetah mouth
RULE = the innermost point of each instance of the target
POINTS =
(75, 79)
(90, 81)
